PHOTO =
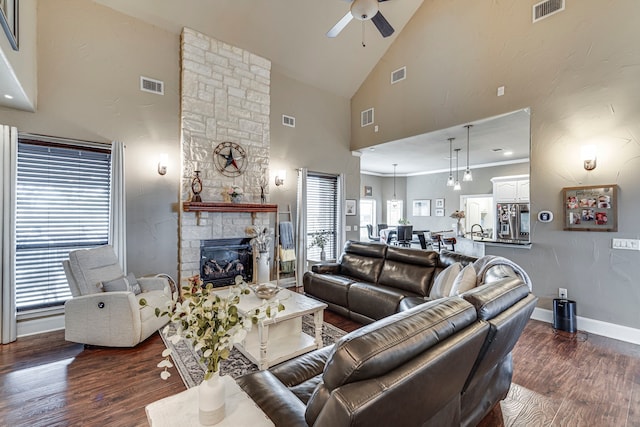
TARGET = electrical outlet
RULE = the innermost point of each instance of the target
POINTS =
(562, 293)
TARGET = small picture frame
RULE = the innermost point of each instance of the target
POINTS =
(590, 208)
(368, 191)
(439, 212)
(439, 203)
(422, 207)
(350, 207)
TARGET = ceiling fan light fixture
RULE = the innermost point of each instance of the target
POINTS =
(364, 9)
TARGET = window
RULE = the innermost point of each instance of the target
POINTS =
(322, 212)
(367, 216)
(62, 204)
(394, 213)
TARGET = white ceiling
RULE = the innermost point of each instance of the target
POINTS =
(429, 153)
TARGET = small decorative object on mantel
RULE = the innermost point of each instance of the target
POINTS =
(213, 325)
(233, 194)
(459, 227)
(196, 187)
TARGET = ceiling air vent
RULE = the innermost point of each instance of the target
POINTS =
(399, 74)
(547, 8)
(151, 85)
(288, 121)
(366, 117)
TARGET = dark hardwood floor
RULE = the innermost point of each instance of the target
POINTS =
(559, 380)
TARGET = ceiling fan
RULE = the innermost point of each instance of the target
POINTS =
(363, 10)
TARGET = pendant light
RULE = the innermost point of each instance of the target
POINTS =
(394, 201)
(450, 181)
(456, 185)
(467, 173)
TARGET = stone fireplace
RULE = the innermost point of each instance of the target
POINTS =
(225, 96)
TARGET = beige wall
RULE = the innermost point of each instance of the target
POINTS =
(89, 62)
(578, 71)
(319, 142)
(90, 59)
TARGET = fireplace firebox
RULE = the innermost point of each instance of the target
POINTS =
(221, 260)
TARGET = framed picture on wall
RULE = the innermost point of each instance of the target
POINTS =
(350, 207)
(439, 212)
(422, 207)
(591, 208)
(368, 191)
(439, 204)
(9, 21)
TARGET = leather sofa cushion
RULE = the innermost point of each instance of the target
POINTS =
(362, 261)
(447, 258)
(330, 288)
(388, 343)
(374, 301)
(411, 270)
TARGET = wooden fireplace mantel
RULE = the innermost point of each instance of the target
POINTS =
(228, 207)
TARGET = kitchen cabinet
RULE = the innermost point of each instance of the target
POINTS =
(510, 189)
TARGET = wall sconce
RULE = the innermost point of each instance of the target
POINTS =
(589, 157)
(280, 177)
(162, 163)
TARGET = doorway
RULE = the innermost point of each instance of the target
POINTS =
(367, 216)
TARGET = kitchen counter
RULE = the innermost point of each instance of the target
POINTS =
(476, 247)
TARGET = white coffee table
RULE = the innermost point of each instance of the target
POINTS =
(182, 409)
(280, 338)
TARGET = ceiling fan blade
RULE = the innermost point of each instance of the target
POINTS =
(382, 25)
(333, 32)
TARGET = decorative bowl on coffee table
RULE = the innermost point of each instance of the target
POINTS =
(266, 290)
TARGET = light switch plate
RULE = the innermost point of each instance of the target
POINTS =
(627, 244)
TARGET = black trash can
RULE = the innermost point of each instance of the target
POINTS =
(564, 315)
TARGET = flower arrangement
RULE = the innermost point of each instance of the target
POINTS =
(234, 191)
(458, 215)
(319, 239)
(210, 322)
(404, 221)
(261, 239)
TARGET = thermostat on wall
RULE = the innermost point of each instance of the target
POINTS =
(545, 216)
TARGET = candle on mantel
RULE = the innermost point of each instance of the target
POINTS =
(195, 166)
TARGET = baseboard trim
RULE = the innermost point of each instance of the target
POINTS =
(598, 327)
(40, 325)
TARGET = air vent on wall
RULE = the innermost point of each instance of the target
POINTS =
(151, 85)
(547, 8)
(366, 117)
(288, 121)
(399, 74)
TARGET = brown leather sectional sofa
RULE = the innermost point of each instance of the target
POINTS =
(441, 363)
(370, 280)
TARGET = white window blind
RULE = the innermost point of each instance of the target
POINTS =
(62, 204)
(322, 212)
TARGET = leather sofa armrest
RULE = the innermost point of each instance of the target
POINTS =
(326, 268)
(274, 398)
(302, 368)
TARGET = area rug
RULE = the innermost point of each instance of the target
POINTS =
(187, 362)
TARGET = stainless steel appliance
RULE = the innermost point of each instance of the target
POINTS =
(512, 221)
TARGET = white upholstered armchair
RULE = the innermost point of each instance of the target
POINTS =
(105, 309)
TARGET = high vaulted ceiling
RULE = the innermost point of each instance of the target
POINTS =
(291, 33)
